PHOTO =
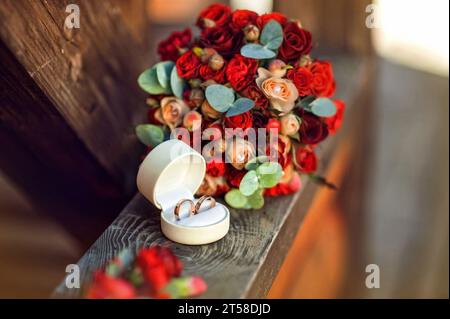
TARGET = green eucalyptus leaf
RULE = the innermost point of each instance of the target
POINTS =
(257, 51)
(220, 97)
(306, 101)
(148, 81)
(163, 72)
(272, 35)
(323, 107)
(249, 183)
(149, 134)
(254, 162)
(236, 199)
(256, 200)
(269, 174)
(177, 84)
(241, 105)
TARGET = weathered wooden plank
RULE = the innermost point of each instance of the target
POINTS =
(245, 262)
(88, 74)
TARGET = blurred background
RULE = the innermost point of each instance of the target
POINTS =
(391, 166)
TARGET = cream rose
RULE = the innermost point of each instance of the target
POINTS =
(239, 152)
(281, 93)
(173, 111)
(289, 124)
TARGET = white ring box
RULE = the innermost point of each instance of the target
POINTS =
(173, 171)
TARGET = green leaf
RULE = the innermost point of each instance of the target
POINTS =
(257, 51)
(323, 107)
(306, 101)
(256, 201)
(220, 97)
(236, 199)
(254, 162)
(149, 134)
(148, 81)
(272, 35)
(177, 84)
(269, 174)
(249, 184)
(241, 105)
(163, 72)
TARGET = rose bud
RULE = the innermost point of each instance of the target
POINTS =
(195, 83)
(304, 60)
(173, 111)
(206, 54)
(289, 125)
(251, 33)
(192, 120)
(197, 97)
(278, 68)
(208, 110)
(216, 62)
(273, 124)
(152, 102)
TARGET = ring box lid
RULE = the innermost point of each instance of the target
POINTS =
(170, 172)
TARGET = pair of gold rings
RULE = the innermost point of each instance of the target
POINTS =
(194, 208)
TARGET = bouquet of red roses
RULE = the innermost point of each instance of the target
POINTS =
(247, 95)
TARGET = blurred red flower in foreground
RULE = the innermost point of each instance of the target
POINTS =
(155, 273)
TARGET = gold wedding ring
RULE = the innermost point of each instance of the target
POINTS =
(176, 211)
(199, 203)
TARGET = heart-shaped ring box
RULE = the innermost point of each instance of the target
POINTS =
(173, 171)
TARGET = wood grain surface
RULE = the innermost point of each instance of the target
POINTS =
(88, 74)
(245, 262)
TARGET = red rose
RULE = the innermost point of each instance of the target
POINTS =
(170, 48)
(215, 168)
(241, 72)
(235, 176)
(335, 122)
(188, 65)
(243, 121)
(285, 188)
(223, 39)
(306, 160)
(206, 73)
(107, 287)
(263, 19)
(216, 15)
(243, 18)
(158, 265)
(312, 129)
(323, 80)
(302, 78)
(296, 42)
(259, 120)
(254, 93)
(280, 152)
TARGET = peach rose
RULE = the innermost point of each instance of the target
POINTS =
(173, 111)
(281, 93)
(289, 124)
(213, 186)
(239, 152)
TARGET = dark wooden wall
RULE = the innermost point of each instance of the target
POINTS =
(69, 102)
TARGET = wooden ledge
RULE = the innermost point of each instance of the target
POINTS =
(244, 263)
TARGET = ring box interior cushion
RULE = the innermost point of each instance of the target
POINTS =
(173, 171)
